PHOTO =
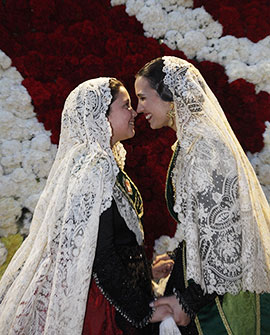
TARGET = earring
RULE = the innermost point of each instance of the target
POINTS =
(171, 114)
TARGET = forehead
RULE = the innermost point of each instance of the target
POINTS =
(122, 94)
(142, 85)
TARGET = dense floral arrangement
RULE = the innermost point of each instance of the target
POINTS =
(55, 45)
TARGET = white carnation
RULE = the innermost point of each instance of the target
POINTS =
(193, 41)
(244, 47)
(201, 17)
(261, 162)
(117, 2)
(10, 210)
(31, 202)
(207, 53)
(235, 70)
(3, 254)
(171, 37)
(26, 152)
(8, 187)
(213, 30)
(264, 174)
(164, 244)
(258, 52)
(177, 21)
(156, 24)
(133, 7)
(227, 55)
(41, 142)
(160, 18)
(5, 61)
(266, 134)
(169, 5)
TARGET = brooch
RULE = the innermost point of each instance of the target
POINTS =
(128, 187)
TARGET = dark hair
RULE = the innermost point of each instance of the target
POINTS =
(152, 71)
(114, 85)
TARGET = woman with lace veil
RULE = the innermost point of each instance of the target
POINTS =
(221, 276)
(86, 231)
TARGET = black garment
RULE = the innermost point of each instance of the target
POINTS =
(191, 297)
(122, 273)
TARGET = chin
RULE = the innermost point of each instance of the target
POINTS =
(154, 126)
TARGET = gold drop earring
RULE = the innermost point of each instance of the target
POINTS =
(171, 114)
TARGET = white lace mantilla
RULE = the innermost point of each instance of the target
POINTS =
(218, 199)
(128, 213)
(45, 288)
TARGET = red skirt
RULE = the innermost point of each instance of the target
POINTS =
(100, 314)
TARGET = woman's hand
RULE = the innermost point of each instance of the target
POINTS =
(162, 266)
(179, 315)
(161, 313)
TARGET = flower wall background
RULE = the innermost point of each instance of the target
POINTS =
(47, 48)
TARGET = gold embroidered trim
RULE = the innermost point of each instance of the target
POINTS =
(258, 315)
(197, 322)
(132, 203)
(223, 317)
(174, 147)
(128, 196)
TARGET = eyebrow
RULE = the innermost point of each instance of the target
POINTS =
(140, 94)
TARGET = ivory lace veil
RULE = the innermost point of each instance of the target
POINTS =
(220, 205)
(45, 288)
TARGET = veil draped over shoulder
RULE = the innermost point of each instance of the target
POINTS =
(222, 209)
(44, 290)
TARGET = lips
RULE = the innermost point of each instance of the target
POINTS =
(148, 116)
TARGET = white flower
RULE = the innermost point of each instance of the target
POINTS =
(244, 47)
(31, 202)
(8, 187)
(264, 174)
(258, 52)
(156, 24)
(169, 5)
(134, 6)
(201, 17)
(164, 244)
(235, 70)
(213, 30)
(176, 21)
(253, 75)
(160, 18)
(3, 254)
(41, 142)
(26, 223)
(5, 61)
(171, 37)
(10, 210)
(26, 152)
(193, 41)
(266, 134)
(207, 53)
(261, 162)
(227, 55)
(117, 2)
(228, 41)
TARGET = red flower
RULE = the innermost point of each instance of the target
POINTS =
(58, 44)
(38, 92)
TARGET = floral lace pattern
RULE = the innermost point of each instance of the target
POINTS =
(128, 214)
(44, 290)
(218, 199)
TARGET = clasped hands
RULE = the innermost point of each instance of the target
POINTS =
(166, 306)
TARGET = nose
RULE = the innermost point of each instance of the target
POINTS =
(134, 113)
(139, 108)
